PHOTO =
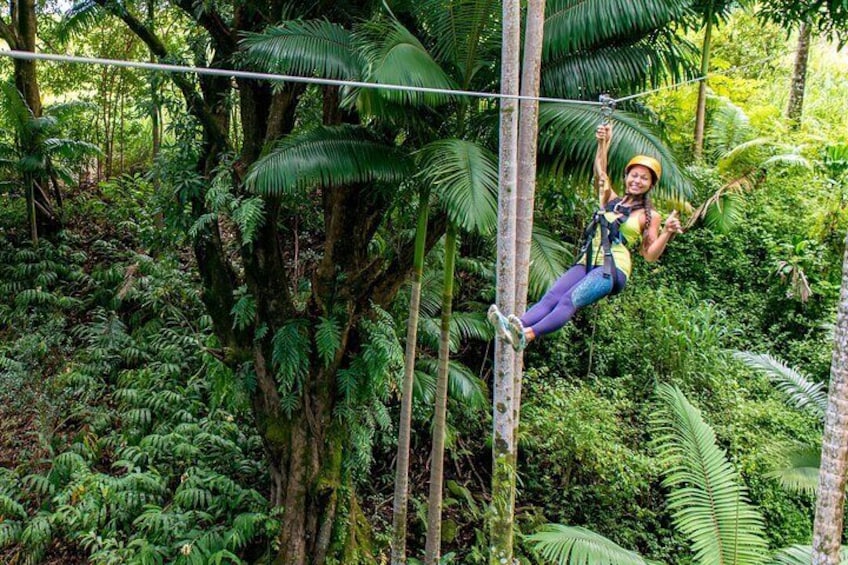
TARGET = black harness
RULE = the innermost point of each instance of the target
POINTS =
(610, 235)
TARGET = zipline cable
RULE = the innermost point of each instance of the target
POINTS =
(703, 77)
(232, 73)
(27, 55)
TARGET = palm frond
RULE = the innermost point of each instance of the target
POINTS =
(800, 391)
(708, 503)
(305, 48)
(729, 128)
(470, 325)
(802, 555)
(801, 473)
(464, 175)
(566, 132)
(81, 17)
(574, 545)
(395, 56)
(746, 156)
(548, 260)
(573, 26)
(326, 156)
(465, 33)
(618, 68)
(15, 109)
(725, 213)
(788, 159)
(70, 148)
(463, 385)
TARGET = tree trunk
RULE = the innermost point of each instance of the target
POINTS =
(405, 422)
(701, 110)
(503, 444)
(432, 549)
(795, 107)
(528, 130)
(827, 527)
(47, 221)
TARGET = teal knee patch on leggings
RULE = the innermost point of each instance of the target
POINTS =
(591, 289)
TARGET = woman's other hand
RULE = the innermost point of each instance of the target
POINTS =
(672, 224)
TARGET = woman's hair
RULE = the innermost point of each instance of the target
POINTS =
(644, 203)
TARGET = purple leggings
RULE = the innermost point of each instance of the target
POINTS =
(573, 290)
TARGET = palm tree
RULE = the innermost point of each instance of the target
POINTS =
(37, 159)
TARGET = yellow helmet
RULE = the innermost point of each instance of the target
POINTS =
(652, 164)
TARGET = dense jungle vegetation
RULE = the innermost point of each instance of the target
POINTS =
(205, 283)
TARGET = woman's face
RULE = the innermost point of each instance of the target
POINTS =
(638, 180)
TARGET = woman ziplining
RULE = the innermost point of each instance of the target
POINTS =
(604, 263)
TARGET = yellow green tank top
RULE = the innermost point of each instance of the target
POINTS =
(621, 255)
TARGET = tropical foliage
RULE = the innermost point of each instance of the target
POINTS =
(208, 364)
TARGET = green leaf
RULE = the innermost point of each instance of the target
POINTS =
(802, 555)
(618, 68)
(708, 503)
(566, 545)
(801, 473)
(327, 339)
(305, 48)
(567, 134)
(465, 34)
(548, 260)
(394, 56)
(573, 26)
(326, 157)
(463, 385)
(464, 175)
(801, 391)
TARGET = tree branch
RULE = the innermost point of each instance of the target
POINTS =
(196, 104)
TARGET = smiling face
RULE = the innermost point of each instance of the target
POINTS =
(638, 180)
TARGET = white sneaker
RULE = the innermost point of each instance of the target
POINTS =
(516, 329)
(500, 323)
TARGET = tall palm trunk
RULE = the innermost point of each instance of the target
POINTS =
(795, 107)
(827, 527)
(503, 444)
(405, 423)
(434, 503)
(701, 111)
(527, 145)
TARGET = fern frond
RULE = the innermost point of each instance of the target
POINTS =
(802, 555)
(708, 503)
(327, 339)
(801, 392)
(574, 545)
(801, 472)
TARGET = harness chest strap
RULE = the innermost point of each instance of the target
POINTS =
(610, 233)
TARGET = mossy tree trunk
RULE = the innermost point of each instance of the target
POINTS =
(503, 441)
(798, 84)
(701, 107)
